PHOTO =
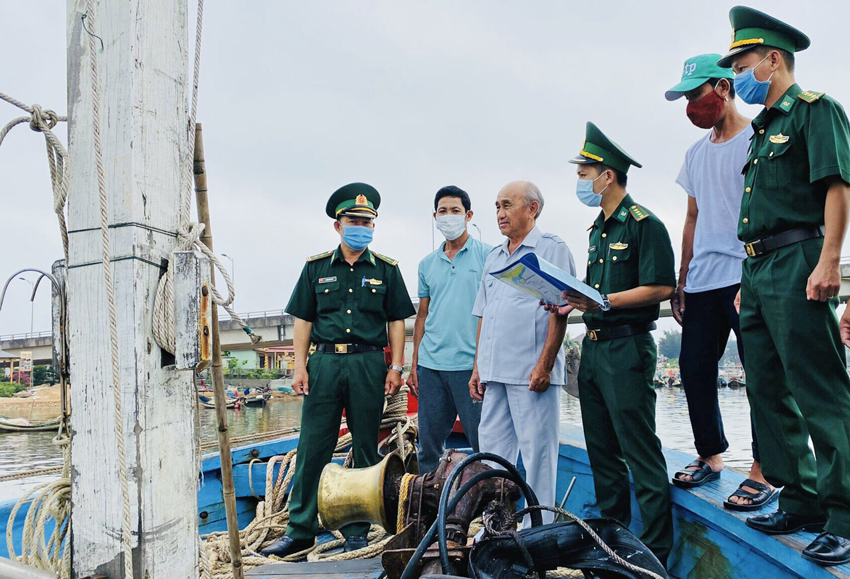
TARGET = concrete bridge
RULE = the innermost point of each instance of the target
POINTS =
(276, 329)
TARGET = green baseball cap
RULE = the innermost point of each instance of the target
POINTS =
(751, 28)
(697, 71)
(598, 148)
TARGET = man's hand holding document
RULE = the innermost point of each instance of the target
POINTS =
(539, 278)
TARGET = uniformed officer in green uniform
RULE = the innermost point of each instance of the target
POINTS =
(793, 220)
(630, 262)
(344, 303)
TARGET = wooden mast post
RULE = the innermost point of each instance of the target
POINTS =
(143, 80)
(228, 491)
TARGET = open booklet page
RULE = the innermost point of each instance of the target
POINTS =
(539, 278)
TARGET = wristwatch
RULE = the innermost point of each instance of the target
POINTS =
(399, 369)
(606, 305)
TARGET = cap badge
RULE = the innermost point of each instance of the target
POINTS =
(779, 138)
(361, 200)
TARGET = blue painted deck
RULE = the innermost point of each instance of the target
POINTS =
(711, 542)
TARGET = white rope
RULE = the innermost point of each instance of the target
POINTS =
(189, 233)
(117, 390)
(43, 121)
(51, 500)
(272, 514)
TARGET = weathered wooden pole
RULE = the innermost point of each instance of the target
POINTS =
(227, 489)
(142, 72)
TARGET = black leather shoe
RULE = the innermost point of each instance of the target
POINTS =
(827, 550)
(355, 542)
(782, 523)
(287, 546)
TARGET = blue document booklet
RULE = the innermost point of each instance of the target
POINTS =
(543, 280)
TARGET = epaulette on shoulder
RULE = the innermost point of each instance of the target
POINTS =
(389, 260)
(639, 213)
(810, 96)
(553, 237)
(320, 256)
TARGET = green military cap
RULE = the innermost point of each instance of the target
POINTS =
(751, 28)
(697, 71)
(354, 200)
(598, 148)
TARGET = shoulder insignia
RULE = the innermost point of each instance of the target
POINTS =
(810, 96)
(553, 237)
(638, 212)
(320, 256)
(389, 260)
(592, 225)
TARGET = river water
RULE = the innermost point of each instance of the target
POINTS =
(26, 451)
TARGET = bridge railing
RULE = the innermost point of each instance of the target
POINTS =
(24, 336)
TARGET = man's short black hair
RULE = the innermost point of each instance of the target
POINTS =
(452, 191)
(788, 57)
(713, 82)
(622, 178)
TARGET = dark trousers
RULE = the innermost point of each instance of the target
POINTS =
(798, 384)
(351, 381)
(443, 396)
(618, 413)
(709, 317)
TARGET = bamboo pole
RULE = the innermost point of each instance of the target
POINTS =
(228, 491)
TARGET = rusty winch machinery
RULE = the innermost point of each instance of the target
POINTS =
(430, 515)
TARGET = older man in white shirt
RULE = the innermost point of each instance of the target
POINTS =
(519, 362)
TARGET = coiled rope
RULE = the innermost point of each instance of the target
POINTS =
(48, 500)
(593, 535)
(56, 495)
(189, 233)
(272, 513)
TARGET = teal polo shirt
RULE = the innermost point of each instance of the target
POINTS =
(451, 286)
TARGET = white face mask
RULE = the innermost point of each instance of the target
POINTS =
(451, 226)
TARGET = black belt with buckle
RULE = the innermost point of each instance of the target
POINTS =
(347, 348)
(774, 242)
(624, 331)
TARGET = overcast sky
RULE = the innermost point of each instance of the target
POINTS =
(298, 99)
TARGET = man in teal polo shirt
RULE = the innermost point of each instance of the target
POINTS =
(444, 335)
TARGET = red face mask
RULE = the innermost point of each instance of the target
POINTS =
(705, 111)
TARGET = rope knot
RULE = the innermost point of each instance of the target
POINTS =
(40, 118)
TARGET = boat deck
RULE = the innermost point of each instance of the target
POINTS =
(357, 569)
(710, 541)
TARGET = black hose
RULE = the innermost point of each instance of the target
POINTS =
(429, 536)
(530, 497)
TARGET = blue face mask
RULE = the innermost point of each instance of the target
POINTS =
(585, 194)
(752, 90)
(357, 237)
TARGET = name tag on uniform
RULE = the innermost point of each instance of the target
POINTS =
(591, 249)
(779, 139)
(618, 245)
(327, 279)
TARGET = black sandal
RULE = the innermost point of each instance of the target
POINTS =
(764, 496)
(701, 475)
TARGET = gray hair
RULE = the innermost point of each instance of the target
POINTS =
(532, 193)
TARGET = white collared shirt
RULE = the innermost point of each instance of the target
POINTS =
(513, 324)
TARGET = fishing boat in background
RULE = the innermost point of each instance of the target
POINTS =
(24, 425)
(208, 402)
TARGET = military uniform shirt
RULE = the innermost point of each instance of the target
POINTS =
(800, 140)
(350, 304)
(630, 249)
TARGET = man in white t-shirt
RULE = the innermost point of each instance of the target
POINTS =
(710, 274)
